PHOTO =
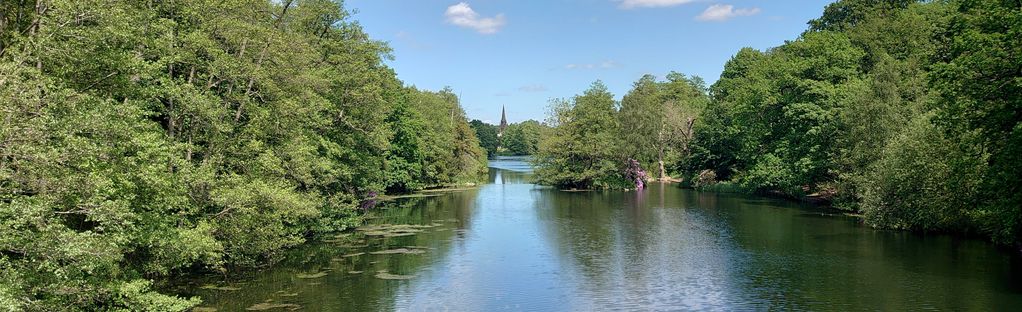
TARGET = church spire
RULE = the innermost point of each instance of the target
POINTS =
(503, 121)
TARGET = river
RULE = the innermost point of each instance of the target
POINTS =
(512, 245)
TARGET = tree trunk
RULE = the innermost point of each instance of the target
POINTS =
(251, 82)
(663, 173)
(287, 5)
(171, 122)
(40, 8)
(188, 154)
(660, 151)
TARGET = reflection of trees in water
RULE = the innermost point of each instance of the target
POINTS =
(500, 176)
(797, 257)
(653, 248)
(339, 290)
(806, 258)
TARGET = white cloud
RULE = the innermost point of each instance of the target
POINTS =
(631, 4)
(600, 65)
(723, 12)
(464, 16)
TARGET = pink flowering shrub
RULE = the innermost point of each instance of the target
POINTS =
(634, 172)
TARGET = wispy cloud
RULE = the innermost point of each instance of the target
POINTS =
(463, 15)
(723, 12)
(631, 4)
(600, 65)
(533, 88)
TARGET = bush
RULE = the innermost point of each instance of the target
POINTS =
(705, 178)
(769, 174)
(923, 181)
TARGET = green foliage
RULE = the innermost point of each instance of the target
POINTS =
(658, 119)
(144, 139)
(979, 75)
(845, 14)
(450, 151)
(907, 111)
(519, 139)
(487, 135)
(583, 150)
(923, 180)
(523, 138)
(778, 111)
(138, 295)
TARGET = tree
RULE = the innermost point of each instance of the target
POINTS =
(523, 138)
(144, 139)
(582, 150)
(923, 181)
(979, 76)
(487, 135)
(845, 14)
(657, 118)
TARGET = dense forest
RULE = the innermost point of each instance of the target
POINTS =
(908, 112)
(141, 139)
(518, 139)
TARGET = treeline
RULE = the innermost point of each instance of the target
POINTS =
(909, 112)
(595, 138)
(141, 139)
(518, 139)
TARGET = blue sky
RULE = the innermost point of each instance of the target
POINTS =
(522, 53)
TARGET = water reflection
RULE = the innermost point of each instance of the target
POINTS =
(511, 245)
(639, 251)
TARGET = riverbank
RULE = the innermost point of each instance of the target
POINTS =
(510, 243)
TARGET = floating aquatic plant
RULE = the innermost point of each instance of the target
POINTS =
(271, 305)
(311, 275)
(221, 288)
(399, 251)
(388, 276)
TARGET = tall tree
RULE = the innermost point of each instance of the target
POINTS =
(657, 118)
(487, 135)
(979, 75)
(583, 149)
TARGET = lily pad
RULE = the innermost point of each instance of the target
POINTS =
(221, 288)
(405, 251)
(311, 275)
(399, 234)
(355, 272)
(270, 305)
(388, 276)
(380, 229)
(353, 255)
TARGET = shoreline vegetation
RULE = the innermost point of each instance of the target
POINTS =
(147, 139)
(141, 140)
(908, 113)
(518, 139)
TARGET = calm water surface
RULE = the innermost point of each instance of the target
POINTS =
(511, 245)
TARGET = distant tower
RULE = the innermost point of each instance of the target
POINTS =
(503, 122)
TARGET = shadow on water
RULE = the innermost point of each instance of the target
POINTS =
(342, 274)
(512, 245)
